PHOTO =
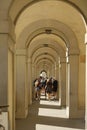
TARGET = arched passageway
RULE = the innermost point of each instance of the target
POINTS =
(43, 35)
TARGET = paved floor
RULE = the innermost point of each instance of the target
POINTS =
(48, 115)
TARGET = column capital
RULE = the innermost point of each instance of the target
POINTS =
(21, 52)
(29, 60)
(63, 60)
(73, 52)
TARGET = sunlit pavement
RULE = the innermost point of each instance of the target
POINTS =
(48, 115)
(46, 127)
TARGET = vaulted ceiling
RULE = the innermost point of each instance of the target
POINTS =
(46, 28)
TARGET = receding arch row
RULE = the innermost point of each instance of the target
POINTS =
(23, 21)
(43, 62)
(49, 57)
(52, 23)
(42, 31)
(27, 4)
(47, 43)
(47, 65)
(44, 51)
(30, 32)
(41, 59)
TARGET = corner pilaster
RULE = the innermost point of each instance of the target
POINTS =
(86, 86)
(63, 81)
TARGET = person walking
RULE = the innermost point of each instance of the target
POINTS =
(55, 88)
(49, 88)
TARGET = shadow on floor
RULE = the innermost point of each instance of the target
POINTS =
(50, 116)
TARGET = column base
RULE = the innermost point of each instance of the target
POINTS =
(75, 114)
(22, 115)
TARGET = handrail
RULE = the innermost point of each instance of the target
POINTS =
(4, 106)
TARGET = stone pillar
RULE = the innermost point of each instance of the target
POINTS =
(33, 71)
(57, 77)
(73, 88)
(7, 87)
(63, 81)
(30, 80)
(4, 36)
(59, 82)
(86, 87)
(67, 87)
(21, 87)
(52, 71)
(7, 43)
(33, 78)
(56, 71)
(3, 69)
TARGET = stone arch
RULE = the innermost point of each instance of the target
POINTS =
(27, 4)
(50, 43)
(67, 38)
(45, 50)
(75, 51)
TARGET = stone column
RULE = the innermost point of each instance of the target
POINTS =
(86, 86)
(33, 71)
(57, 77)
(59, 82)
(33, 78)
(30, 80)
(52, 72)
(73, 88)
(21, 87)
(56, 71)
(67, 87)
(63, 81)
(7, 43)
(3, 68)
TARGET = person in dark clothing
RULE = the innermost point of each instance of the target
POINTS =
(49, 88)
(55, 88)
